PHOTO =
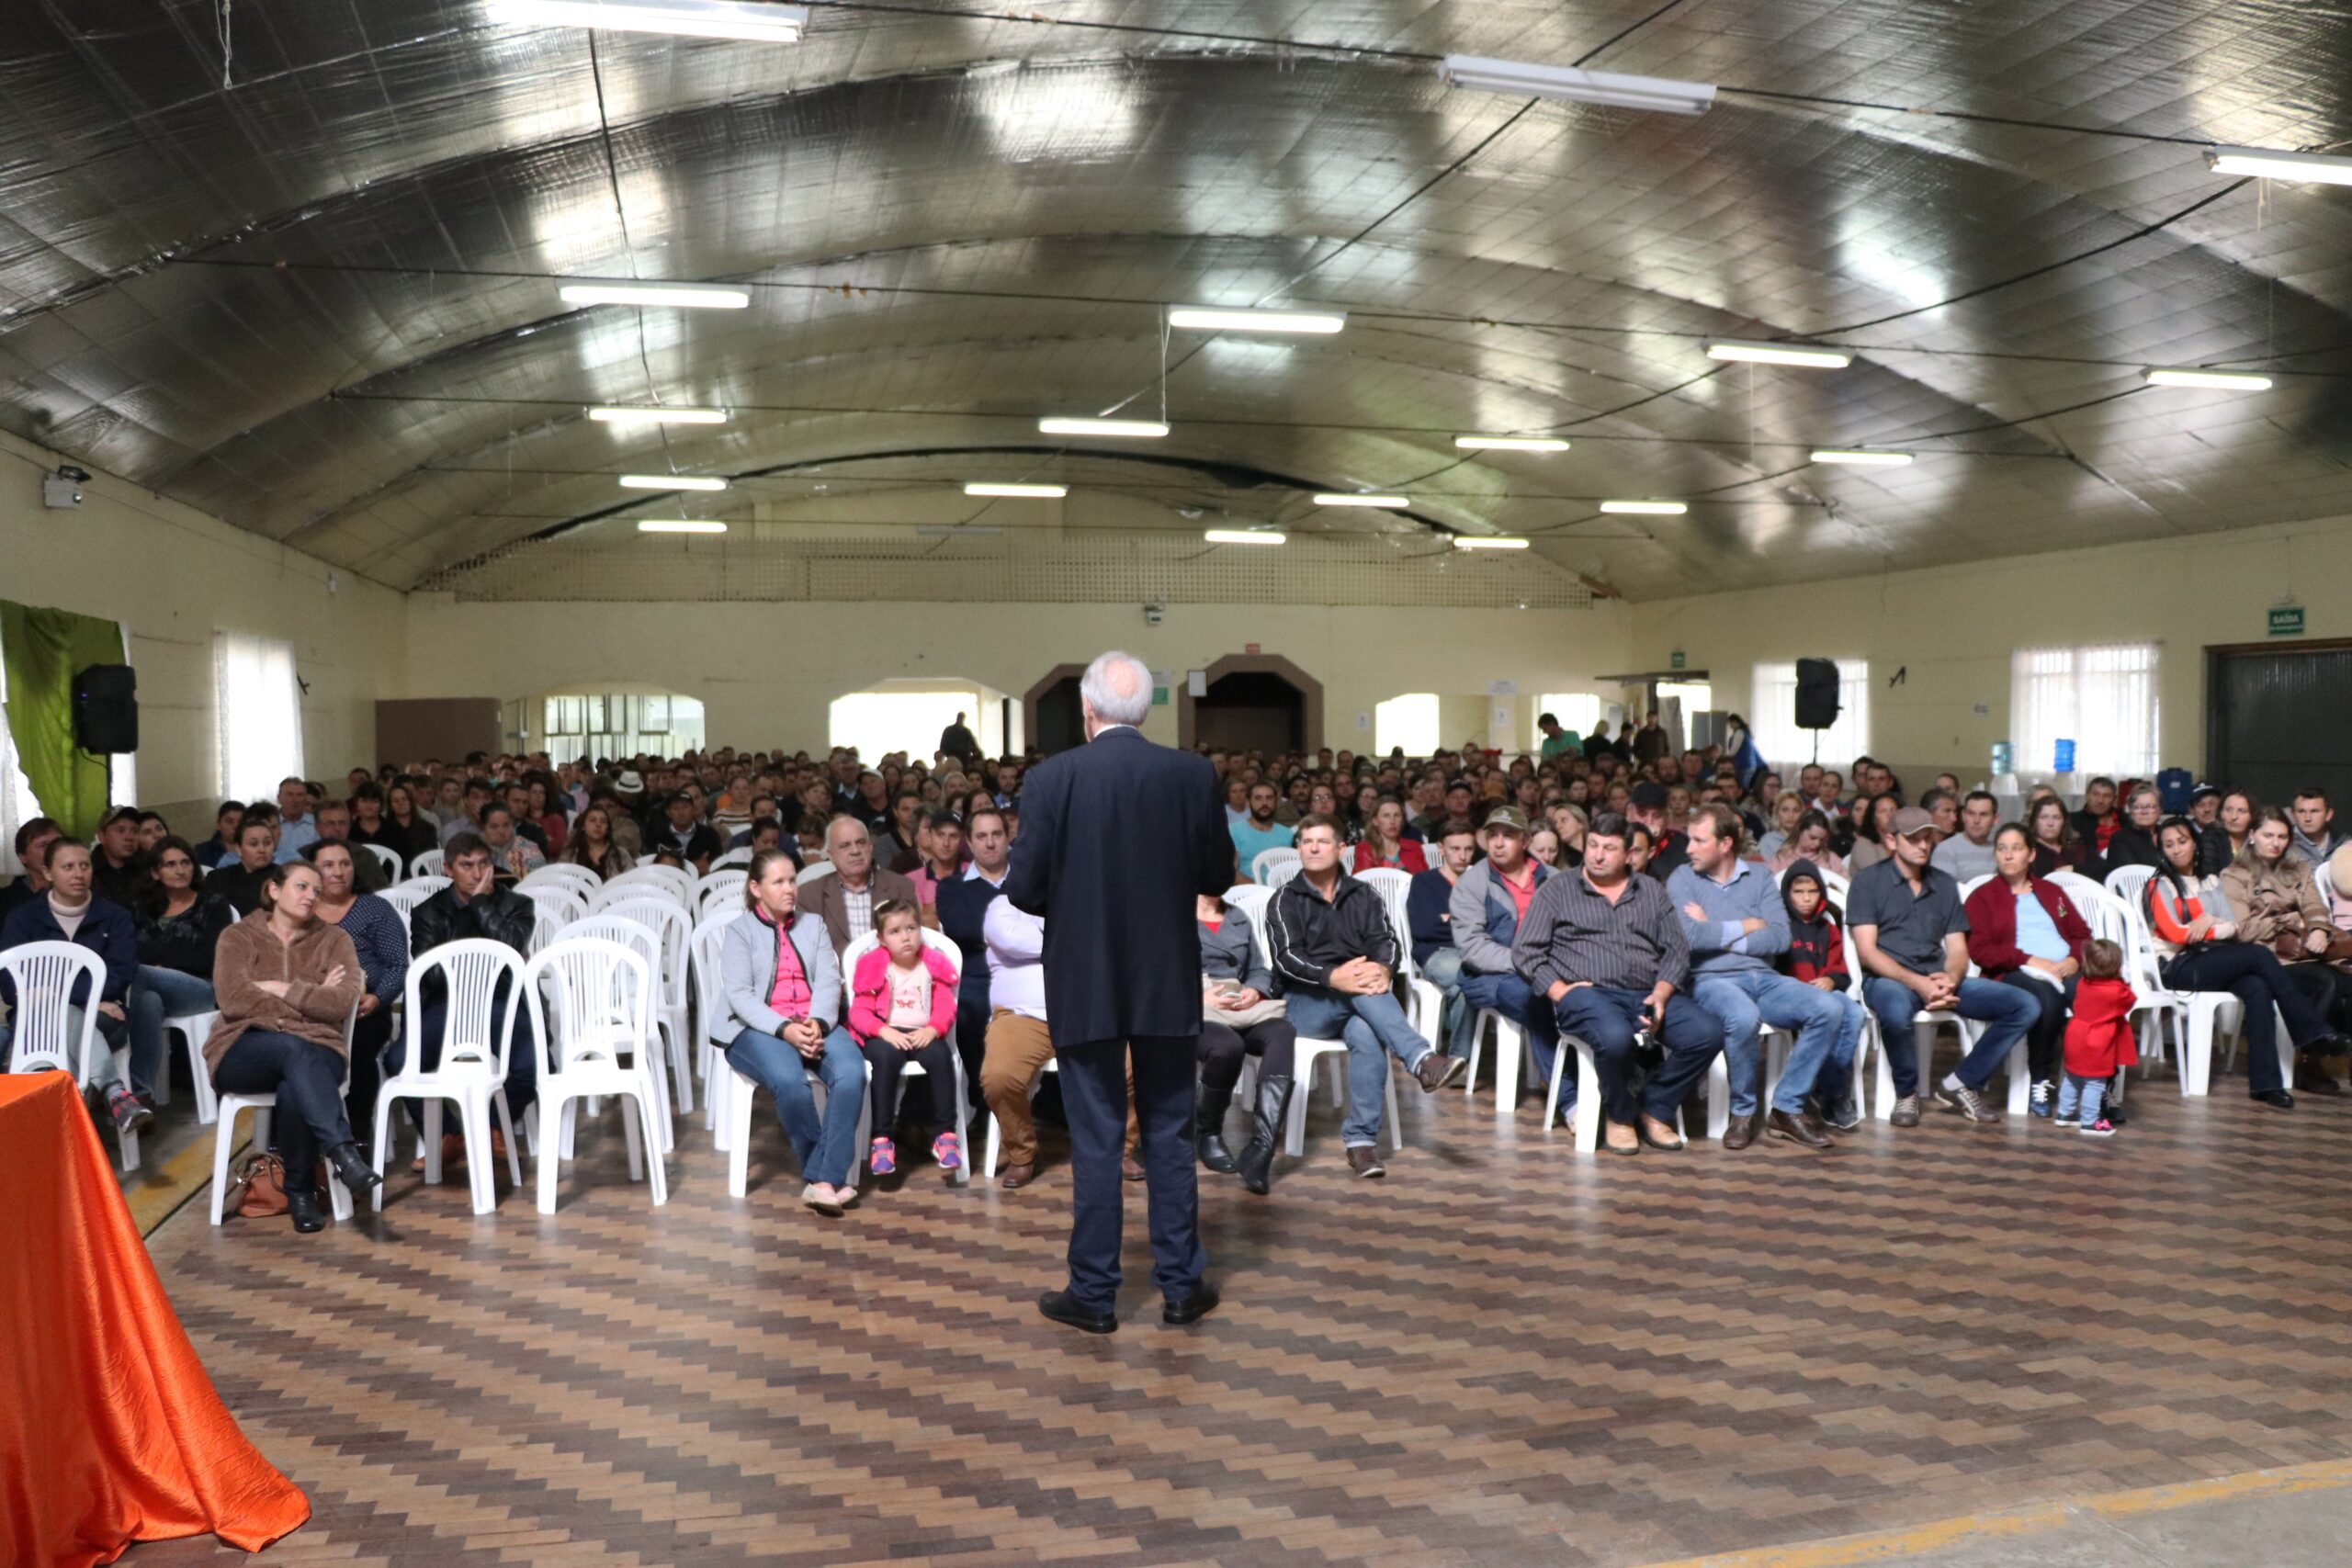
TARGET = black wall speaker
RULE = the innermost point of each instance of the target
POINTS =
(106, 709)
(1817, 693)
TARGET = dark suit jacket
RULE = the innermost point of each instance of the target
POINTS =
(823, 899)
(963, 906)
(1117, 839)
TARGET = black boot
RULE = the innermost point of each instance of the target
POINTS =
(1208, 1131)
(1257, 1162)
(302, 1207)
(351, 1166)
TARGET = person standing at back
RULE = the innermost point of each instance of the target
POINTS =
(1119, 838)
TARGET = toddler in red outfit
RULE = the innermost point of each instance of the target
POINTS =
(2098, 1040)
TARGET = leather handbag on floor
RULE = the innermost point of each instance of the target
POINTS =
(259, 1191)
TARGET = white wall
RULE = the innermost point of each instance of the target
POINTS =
(1952, 630)
(767, 674)
(173, 576)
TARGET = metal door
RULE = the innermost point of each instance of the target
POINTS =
(2277, 721)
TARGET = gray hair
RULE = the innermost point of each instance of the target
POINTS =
(1118, 688)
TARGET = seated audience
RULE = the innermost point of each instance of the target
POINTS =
(2096, 821)
(1812, 844)
(1735, 921)
(961, 904)
(1429, 917)
(66, 910)
(286, 980)
(1337, 954)
(1788, 810)
(2315, 838)
(1020, 1044)
(1603, 947)
(898, 846)
(1488, 902)
(1384, 842)
(1669, 847)
(901, 1009)
(2134, 842)
(332, 819)
(2024, 931)
(845, 901)
(681, 828)
(940, 838)
(1543, 849)
(1241, 1018)
(1873, 820)
(1260, 833)
(512, 856)
(382, 942)
(2214, 851)
(473, 905)
(591, 843)
(2277, 902)
(119, 872)
(388, 819)
(223, 845)
(179, 926)
(1911, 940)
(2056, 846)
(2198, 949)
(467, 817)
(1943, 807)
(1969, 855)
(295, 825)
(781, 987)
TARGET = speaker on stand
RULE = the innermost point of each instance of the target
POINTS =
(1817, 705)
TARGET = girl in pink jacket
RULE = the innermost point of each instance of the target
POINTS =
(902, 1005)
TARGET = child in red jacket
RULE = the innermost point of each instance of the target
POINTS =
(902, 1005)
(1816, 952)
(2098, 1040)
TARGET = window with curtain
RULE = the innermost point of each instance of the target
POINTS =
(258, 708)
(2102, 698)
(1772, 717)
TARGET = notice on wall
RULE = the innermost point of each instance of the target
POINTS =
(1196, 682)
(1502, 688)
(1364, 719)
(1499, 726)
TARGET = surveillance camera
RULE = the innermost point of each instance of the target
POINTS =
(68, 471)
(1154, 612)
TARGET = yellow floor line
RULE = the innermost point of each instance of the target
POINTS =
(1887, 1545)
(160, 1190)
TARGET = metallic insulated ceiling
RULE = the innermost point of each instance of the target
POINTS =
(318, 301)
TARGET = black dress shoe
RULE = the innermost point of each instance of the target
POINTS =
(303, 1205)
(2278, 1099)
(351, 1166)
(1062, 1307)
(1190, 1309)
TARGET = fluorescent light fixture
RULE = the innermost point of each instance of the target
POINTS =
(1611, 88)
(1510, 444)
(1149, 429)
(670, 481)
(1387, 502)
(1647, 508)
(750, 20)
(1214, 319)
(954, 530)
(2317, 168)
(685, 296)
(1780, 354)
(680, 525)
(1488, 542)
(1244, 536)
(658, 416)
(1035, 492)
(1861, 456)
(2221, 380)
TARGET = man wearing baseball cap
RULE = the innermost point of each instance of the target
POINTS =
(1488, 903)
(1911, 936)
(1669, 846)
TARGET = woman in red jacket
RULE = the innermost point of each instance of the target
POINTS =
(1384, 842)
(2024, 931)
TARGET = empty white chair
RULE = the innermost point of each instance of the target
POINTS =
(426, 886)
(194, 1029)
(580, 882)
(720, 893)
(404, 900)
(426, 864)
(676, 881)
(1281, 871)
(53, 1033)
(599, 1045)
(390, 859)
(263, 1107)
(742, 857)
(670, 925)
(1262, 865)
(811, 871)
(704, 957)
(471, 1071)
(556, 906)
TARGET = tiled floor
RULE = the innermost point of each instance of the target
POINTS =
(1503, 1354)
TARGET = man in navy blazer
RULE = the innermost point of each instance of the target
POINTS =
(1117, 839)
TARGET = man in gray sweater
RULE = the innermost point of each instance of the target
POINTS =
(1736, 922)
(1489, 900)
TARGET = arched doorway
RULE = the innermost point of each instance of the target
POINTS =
(1060, 723)
(1253, 701)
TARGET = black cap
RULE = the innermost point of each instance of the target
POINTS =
(1649, 796)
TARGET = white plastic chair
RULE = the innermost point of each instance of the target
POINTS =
(944, 946)
(602, 992)
(580, 882)
(676, 881)
(705, 951)
(472, 1071)
(557, 907)
(1310, 1051)
(2200, 1020)
(265, 1106)
(742, 857)
(645, 941)
(194, 1029)
(1263, 864)
(811, 871)
(425, 886)
(389, 859)
(720, 892)
(427, 863)
(44, 976)
(404, 900)
(1281, 871)
(670, 925)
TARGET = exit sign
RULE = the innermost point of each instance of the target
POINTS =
(2286, 621)
(1675, 659)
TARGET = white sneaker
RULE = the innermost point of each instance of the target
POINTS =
(821, 1197)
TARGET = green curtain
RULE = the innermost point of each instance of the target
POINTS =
(42, 649)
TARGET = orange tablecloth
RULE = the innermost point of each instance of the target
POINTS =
(110, 1431)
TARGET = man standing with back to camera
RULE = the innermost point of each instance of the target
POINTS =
(1118, 838)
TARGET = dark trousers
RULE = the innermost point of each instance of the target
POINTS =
(2323, 986)
(369, 1035)
(1606, 1018)
(2254, 975)
(1094, 1091)
(2045, 1038)
(1223, 1049)
(884, 1062)
(307, 1081)
(522, 1056)
(972, 1043)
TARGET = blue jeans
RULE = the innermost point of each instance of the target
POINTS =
(156, 995)
(1374, 1029)
(1828, 1027)
(826, 1145)
(2005, 1011)
(1508, 995)
(2080, 1097)
(1606, 1017)
(1442, 969)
